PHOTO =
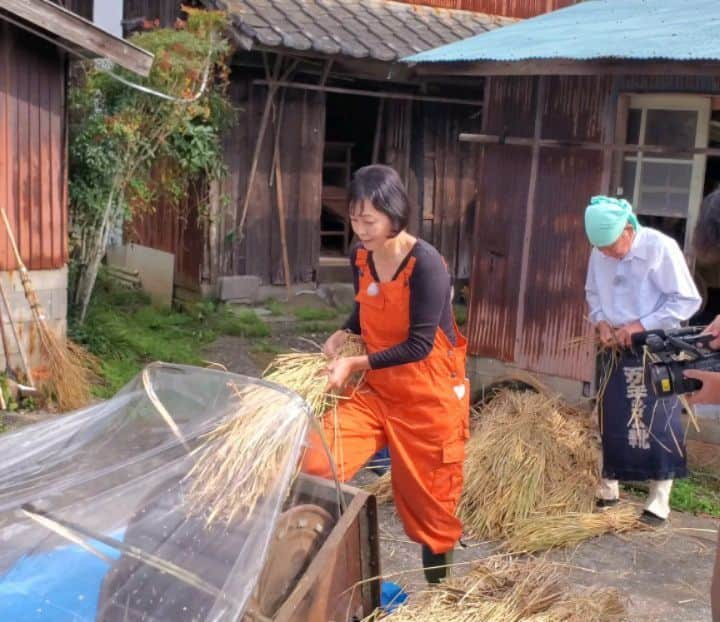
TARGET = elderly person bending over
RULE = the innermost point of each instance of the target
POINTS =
(637, 280)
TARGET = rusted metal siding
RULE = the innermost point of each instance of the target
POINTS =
(33, 176)
(554, 300)
(541, 308)
(499, 226)
(508, 8)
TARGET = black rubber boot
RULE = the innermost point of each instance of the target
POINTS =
(435, 565)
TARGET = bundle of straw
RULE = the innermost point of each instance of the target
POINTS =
(239, 461)
(540, 533)
(303, 374)
(507, 590)
(531, 455)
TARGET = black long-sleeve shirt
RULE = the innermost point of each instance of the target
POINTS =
(430, 306)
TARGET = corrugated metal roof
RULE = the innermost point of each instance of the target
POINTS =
(374, 29)
(679, 30)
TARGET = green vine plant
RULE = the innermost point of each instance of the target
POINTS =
(130, 149)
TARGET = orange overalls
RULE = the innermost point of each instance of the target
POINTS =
(419, 410)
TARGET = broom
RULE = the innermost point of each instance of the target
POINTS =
(71, 369)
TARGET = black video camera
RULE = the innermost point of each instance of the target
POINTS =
(672, 353)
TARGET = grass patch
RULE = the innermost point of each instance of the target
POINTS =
(697, 494)
(311, 314)
(275, 307)
(267, 347)
(126, 332)
(306, 328)
(461, 313)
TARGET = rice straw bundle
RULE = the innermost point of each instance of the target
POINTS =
(303, 374)
(507, 590)
(530, 455)
(539, 533)
(239, 461)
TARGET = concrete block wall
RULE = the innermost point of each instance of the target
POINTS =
(51, 288)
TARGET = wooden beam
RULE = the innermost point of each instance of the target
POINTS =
(367, 93)
(80, 32)
(529, 214)
(564, 67)
(490, 139)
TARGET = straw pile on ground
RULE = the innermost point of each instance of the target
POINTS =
(531, 472)
(540, 533)
(530, 456)
(507, 590)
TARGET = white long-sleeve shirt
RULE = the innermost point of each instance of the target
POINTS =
(652, 284)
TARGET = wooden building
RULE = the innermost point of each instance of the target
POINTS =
(36, 39)
(599, 98)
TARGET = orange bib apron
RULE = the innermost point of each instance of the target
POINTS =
(419, 410)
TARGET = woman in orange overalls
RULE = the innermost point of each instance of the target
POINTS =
(414, 399)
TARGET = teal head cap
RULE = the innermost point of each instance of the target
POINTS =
(606, 218)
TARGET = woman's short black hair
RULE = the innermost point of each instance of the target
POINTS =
(706, 239)
(382, 186)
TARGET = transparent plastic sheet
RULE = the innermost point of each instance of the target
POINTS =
(99, 516)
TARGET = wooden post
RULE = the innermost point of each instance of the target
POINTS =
(281, 198)
(272, 89)
(378, 132)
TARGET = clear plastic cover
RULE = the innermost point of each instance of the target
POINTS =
(146, 507)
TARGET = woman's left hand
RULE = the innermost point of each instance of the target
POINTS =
(340, 370)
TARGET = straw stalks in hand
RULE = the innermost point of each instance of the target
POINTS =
(540, 533)
(303, 373)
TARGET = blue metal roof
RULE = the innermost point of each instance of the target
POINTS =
(681, 30)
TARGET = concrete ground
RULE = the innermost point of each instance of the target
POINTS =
(663, 574)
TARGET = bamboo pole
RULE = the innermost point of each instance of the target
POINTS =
(281, 199)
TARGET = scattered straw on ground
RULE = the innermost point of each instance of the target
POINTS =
(531, 455)
(508, 590)
(540, 533)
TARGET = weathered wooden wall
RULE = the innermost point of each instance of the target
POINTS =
(33, 174)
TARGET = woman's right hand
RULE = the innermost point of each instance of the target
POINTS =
(334, 343)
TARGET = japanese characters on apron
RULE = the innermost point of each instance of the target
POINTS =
(642, 437)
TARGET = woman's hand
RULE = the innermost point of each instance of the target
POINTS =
(334, 343)
(605, 334)
(340, 370)
(624, 333)
(709, 393)
(714, 329)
